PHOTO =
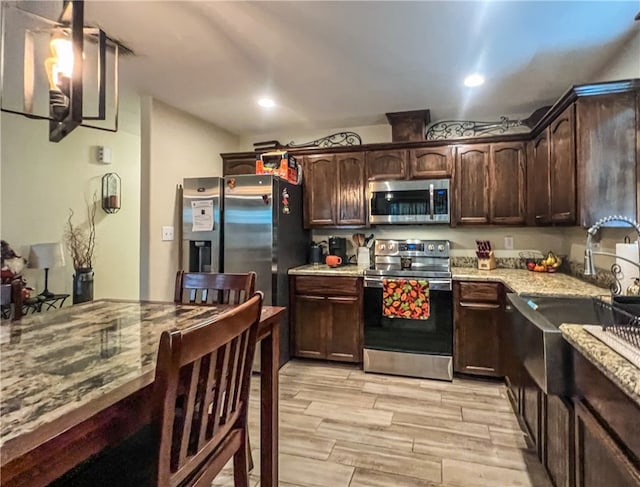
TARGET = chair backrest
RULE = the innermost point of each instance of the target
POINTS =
(201, 388)
(211, 288)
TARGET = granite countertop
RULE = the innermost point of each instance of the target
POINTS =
(522, 281)
(349, 270)
(613, 365)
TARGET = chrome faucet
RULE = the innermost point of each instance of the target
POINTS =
(589, 266)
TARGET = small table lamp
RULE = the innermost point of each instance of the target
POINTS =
(46, 256)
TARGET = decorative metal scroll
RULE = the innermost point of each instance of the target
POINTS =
(333, 140)
(616, 285)
(452, 129)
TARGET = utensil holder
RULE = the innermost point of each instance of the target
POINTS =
(487, 264)
(364, 258)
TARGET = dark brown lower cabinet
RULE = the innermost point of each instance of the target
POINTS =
(309, 326)
(558, 444)
(327, 318)
(600, 462)
(532, 413)
(343, 333)
(478, 316)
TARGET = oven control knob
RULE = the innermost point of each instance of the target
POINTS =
(381, 247)
(391, 246)
(441, 248)
(431, 247)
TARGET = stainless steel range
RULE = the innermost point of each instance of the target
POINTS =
(408, 309)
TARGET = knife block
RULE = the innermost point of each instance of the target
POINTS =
(488, 263)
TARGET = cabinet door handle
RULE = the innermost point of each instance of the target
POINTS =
(310, 298)
(342, 300)
(480, 306)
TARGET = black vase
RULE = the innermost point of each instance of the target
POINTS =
(83, 285)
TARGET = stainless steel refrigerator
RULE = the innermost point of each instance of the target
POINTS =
(263, 232)
(201, 244)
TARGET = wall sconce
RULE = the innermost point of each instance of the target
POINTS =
(111, 194)
(60, 71)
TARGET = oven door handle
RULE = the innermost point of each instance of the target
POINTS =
(431, 201)
(435, 284)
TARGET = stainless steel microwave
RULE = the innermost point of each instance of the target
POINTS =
(419, 201)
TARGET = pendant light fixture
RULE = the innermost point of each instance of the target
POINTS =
(79, 65)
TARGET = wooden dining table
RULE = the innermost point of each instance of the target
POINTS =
(76, 381)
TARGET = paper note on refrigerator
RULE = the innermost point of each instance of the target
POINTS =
(202, 215)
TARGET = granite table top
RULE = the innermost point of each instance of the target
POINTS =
(56, 362)
(613, 365)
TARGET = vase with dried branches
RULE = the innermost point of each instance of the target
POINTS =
(80, 241)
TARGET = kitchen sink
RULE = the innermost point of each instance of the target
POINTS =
(555, 311)
(536, 340)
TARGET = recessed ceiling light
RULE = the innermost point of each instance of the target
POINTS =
(266, 103)
(473, 80)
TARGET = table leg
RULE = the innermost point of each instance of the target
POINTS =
(269, 367)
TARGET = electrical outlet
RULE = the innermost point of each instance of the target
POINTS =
(508, 243)
(167, 233)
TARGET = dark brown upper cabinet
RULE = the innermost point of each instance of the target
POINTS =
(562, 161)
(386, 164)
(334, 188)
(236, 164)
(320, 190)
(472, 184)
(538, 183)
(431, 162)
(490, 183)
(351, 189)
(608, 133)
(507, 183)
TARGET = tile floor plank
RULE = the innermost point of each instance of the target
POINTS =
(469, 474)
(370, 457)
(381, 436)
(371, 478)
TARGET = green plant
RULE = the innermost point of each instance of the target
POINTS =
(80, 241)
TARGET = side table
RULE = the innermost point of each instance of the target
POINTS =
(39, 303)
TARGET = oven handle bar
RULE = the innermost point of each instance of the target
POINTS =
(434, 284)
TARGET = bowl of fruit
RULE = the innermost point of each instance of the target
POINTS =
(551, 263)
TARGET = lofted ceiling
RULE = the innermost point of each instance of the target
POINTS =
(336, 64)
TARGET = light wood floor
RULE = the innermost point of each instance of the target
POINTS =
(340, 427)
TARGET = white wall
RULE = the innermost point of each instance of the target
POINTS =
(175, 146)
(626, 64)
(42, 180)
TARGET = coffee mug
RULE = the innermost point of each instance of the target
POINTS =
(333, 260)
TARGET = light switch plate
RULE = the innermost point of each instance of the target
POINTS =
(167, 233)
(508, 243)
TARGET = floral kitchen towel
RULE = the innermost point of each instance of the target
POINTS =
(405, 298)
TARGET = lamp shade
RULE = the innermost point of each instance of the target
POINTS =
(46, 256)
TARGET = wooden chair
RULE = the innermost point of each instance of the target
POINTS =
(209, 288)
(201, 399)
(201, 390)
